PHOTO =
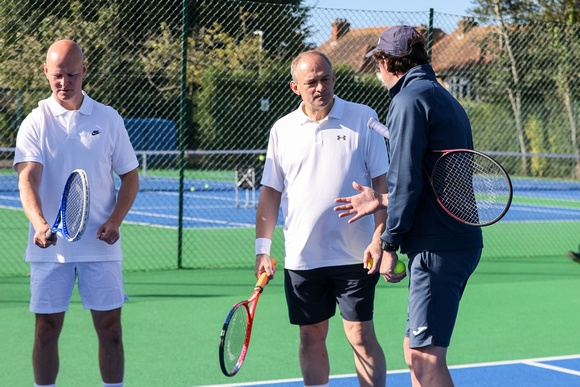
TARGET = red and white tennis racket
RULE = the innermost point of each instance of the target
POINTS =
(235, 336)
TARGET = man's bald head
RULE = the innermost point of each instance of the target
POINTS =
(65, 69)
(65, 47)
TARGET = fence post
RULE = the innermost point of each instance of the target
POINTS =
(182, 124)
(430, 33)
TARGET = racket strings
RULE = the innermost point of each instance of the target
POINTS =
(74, 212)
(235, 338)
(471, 187)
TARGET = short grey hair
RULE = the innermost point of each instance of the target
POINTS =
(301, 56)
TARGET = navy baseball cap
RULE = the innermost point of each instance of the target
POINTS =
(395, 40)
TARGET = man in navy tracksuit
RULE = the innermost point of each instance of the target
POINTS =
(423, 116)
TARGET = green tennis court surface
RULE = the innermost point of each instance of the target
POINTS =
(512, 309)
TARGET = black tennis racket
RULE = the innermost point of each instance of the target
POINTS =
(74, 208)
(469, 185)
(235, 336)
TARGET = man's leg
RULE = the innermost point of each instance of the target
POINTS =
(428, 365)
(45, 351)
(369, 358)
(407, 353)
(111, 356)
(313, 355)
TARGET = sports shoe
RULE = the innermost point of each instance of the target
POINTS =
(574, 256)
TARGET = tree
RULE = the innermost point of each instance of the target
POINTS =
(510, 66)
(231, 38)
(565, 45)
(284, 21)
(532, 34)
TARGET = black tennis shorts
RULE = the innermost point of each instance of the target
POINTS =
(312, 295)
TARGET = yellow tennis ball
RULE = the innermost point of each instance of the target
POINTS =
(192, 189)
(262, 158)
(206, 186)
(400, 267)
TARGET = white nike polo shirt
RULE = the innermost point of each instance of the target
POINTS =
(92, 138)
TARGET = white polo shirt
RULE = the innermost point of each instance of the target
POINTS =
(313, 163)
(92, 138)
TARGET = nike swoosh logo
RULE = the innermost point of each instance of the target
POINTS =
(419, 330)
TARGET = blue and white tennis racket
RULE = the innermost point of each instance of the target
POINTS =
(74, 208)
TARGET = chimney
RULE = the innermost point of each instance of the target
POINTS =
(339, 28)
(466, 23)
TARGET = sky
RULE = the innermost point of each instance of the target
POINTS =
(321, 31)
(455, 7)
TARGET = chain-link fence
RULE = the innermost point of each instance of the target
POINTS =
(199, 109)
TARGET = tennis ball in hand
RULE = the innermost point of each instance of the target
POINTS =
(400, 267)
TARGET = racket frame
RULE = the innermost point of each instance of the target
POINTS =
(61, 216)
(378, 127)
(500, 168)
(250, 307)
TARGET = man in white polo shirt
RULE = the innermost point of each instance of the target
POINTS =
(68, 131)
(314, 155)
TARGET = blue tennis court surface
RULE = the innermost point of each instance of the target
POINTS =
(544, 372)
(217, 207)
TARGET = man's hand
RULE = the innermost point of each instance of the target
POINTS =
(388, 264)
(40, 239)
(108, 233)
(367, 202)
(372, 256)
(264, 264)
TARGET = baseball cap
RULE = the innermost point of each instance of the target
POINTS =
(395, 40)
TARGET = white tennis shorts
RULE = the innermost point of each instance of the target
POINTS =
(100, 285)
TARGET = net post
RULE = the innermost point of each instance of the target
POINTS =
(245, 178)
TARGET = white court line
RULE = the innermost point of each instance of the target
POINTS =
(535, 209)
(12, 198)
(11, 208)
(520, 361)
(165, 216)
(531, 362)
(551, 367)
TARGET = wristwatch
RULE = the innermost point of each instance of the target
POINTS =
(388, 246)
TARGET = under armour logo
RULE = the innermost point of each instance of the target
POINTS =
(341, 137)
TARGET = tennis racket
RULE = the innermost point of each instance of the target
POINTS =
(469, 185)
(74, 208)
(235, 336)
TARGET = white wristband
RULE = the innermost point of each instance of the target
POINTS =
(263, 246)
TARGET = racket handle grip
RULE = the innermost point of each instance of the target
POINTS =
(263, 280)
(378, 127)
(50, 235)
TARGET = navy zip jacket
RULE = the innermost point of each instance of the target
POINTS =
(423, 116)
